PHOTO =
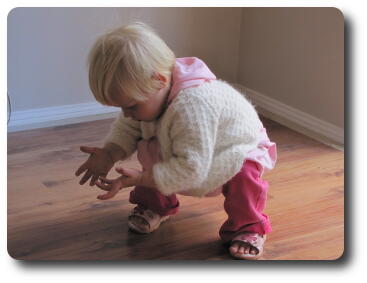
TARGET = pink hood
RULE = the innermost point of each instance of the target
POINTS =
(189, 72)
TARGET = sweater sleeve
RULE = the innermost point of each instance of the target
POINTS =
(192, 133)
(125, 133)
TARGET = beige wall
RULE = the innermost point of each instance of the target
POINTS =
(47, 47)
(295, 55)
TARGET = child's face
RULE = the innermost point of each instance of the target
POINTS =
(148, 110)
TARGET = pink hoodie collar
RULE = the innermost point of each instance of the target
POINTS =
(188, 72)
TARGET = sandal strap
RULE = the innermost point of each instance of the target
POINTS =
(149, 216)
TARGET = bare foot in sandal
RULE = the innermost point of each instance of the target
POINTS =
(247, 246)
(144, 221)
(140, 222)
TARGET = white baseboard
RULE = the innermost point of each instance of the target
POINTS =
(60, 115)
(295, 118)
(269, 107)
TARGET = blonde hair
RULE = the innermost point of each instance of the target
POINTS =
(127, 58)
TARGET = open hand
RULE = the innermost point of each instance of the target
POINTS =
(98, 164)
(130, 177)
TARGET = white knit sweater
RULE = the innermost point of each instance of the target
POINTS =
(204, 134)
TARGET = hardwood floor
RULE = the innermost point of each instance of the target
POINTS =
(52, 217)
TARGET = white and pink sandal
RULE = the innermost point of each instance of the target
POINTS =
(253, 240)
(151, 220)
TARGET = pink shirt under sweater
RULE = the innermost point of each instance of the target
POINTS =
(191, 72)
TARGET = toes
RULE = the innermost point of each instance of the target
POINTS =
(243, 248)
(240, 248)
(139, 221)
(234, 248)
(247, 249)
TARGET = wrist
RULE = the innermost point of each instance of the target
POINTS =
(146, 179)
(139, 181)
(114, 152)
(109, 156)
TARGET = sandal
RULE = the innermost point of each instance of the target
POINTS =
(151, 220)
(254, 240)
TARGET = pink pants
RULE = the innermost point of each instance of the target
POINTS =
(245, 197)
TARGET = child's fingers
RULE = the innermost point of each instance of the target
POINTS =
(85, 178)
(88, 149)
(110, 194)
(121, 171)
(94, 179)
(128, 172)
(80, 170)
(103, 186)
(105, 180)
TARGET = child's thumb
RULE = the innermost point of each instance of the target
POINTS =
(122, 171)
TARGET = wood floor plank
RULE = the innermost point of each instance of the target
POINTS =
(52, 217)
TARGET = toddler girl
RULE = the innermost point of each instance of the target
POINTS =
(194, 135)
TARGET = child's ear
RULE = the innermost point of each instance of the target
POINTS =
(162, 79)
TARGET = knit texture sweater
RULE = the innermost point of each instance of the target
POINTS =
(204, 136)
